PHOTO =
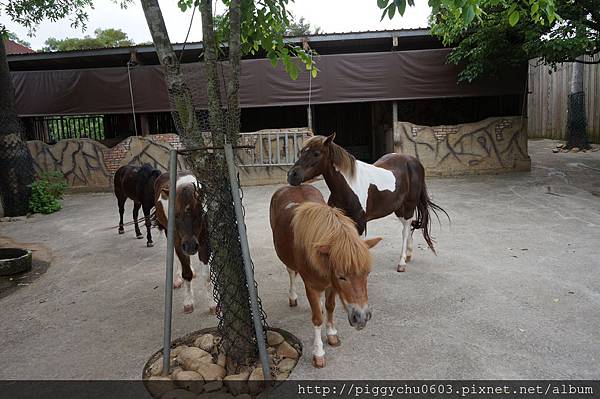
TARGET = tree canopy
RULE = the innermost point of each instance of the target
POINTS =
(103, 38)
(13, 36)
(301, 27)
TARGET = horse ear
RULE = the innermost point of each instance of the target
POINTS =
(329, 139)
(164, 193)
(323, 249)
(371, 242)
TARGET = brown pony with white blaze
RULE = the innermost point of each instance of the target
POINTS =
(191, 233)
(322, 245)
(395, 183)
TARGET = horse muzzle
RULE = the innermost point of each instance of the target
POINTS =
(358, 316)
(294, 177)
(190, 247)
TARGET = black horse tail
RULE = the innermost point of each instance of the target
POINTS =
(423, 220)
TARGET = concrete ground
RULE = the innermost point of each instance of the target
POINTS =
(514, 291)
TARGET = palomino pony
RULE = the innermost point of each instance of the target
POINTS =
(322, 245)
(395, 183)
(191, 232)
(136, 183)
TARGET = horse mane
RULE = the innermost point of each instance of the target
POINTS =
(342, 159)
(316, 224)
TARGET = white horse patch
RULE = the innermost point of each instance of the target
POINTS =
(366, 174)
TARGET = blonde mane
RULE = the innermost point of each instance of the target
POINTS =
(342, 159)
(316, 224)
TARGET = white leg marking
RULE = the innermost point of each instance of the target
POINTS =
(331, 329)
(177, 280)
(405, 237)
(318, 345)
(188, 296)
(409, 250)
(292, 292)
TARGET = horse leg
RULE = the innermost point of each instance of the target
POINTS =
(188, 275)
(136, 211)
(409, 249)
(148, 223)
(208, 286)
(292, 296)
(121, 202)
(314, 298)
(406, 233)
(332, 334)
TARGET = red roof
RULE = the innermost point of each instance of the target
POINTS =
(16, 48)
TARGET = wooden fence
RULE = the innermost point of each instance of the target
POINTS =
(547, 100)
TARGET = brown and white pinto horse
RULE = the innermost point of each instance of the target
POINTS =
(191, 232)
(136, 183)
(322, 245)
(395, 183)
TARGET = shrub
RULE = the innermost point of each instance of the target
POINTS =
(46, 192)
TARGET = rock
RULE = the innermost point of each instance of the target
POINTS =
(575, 149)
(179, 394)
(237, 383)
(281, 376)
(157, 367)
(256, 380)
(556, 150)
(274, 338)
(221, 360)
(560, 145)
(595, 149)
(211, 372)
(175, 371)
(177, 350)
(190, 380)
(286, 365)
(205, 342)
(213, 386)
(191, 358)
(286, 350)
(158, 385)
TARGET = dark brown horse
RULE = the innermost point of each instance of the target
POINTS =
(322, 245)
(191, 232)
(395, 183)
(137, 184)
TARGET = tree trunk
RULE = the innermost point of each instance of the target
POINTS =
(16, 164)
(235, 55)
(576, 115)
(179, 93)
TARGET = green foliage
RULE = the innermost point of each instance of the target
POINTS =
(46, 192)
(264, 24)
(103, 38)
(301, 27)
(504, 37)
(464, 12)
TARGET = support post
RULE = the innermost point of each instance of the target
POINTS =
(239, 215)
(170, 258)
(309, 117)
(391, 141)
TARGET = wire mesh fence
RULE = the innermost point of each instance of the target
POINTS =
(204, 134)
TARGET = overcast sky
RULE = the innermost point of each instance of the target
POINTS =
(330, 15)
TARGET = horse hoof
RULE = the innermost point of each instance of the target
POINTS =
(149, 244)
(139, 236)
(401, 268)
(213, 310)
(333, 340)
(293, 303)
(188, 309)
(177, 284)
(121, 231)
(318, 361)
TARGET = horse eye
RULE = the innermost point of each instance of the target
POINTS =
(316, 153)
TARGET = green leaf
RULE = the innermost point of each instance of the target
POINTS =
(469, 14)
(513, 18)
(391, 10)
(382, 3)
(314, 72)
(401, 4)
(534, 8)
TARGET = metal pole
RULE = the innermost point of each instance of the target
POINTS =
(239, 215)
(169, 275)
(131, 96)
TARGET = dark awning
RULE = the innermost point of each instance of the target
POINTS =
(362, 77)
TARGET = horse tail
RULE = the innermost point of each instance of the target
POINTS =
(423, 220)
